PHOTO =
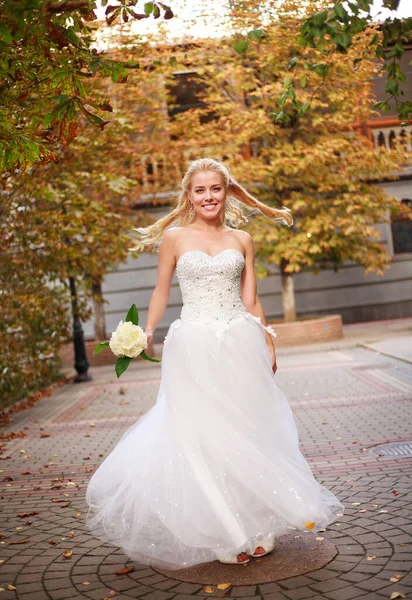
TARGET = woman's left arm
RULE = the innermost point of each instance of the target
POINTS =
(249, 294)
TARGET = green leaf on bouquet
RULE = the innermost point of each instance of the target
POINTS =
(133, 315)
(121, 364)
(100, 347)
(144, 355)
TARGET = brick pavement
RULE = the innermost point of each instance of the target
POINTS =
(345, 402)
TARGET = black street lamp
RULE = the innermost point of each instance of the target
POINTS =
(81, 364)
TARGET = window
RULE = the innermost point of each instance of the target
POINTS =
(186, 92)
(402, 231)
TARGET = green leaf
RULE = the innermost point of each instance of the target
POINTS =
(320, 17)
(5, 34)
(391, 4)
(303, 80)
(343, 39)
(150, 358)
(240, 46)
(293, 63)
(133, 315)
(255, 34)
(100, 347)
(148, 8)
(121, 364)
(172, 61)
(340, 12)
(392, 87)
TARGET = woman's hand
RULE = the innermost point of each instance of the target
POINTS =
(149, 335)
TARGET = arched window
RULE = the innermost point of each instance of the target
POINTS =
(402, 231)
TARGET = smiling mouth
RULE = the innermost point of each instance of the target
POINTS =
(209, 206)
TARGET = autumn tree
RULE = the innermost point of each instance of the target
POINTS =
(332, 28)
(48, 63)
(316, 166)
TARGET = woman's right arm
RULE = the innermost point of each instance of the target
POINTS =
(165, 269)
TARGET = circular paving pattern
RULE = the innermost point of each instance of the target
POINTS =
(291, 557)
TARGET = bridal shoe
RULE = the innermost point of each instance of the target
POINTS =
(232, 559)
(267, 545)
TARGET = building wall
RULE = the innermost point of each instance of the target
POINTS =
(356, 296)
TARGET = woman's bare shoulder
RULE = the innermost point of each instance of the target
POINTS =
(244, 238)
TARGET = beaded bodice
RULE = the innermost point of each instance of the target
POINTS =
(210, 285)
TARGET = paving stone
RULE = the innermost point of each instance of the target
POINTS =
(329, 585)
(269, 588)
(347, 593)
(300, 593)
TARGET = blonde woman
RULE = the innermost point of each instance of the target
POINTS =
(214, 469)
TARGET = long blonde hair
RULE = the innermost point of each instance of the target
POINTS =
(151, 236)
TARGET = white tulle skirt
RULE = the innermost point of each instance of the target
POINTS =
(214, 464)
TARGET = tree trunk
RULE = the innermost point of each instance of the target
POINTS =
(288, 297)
(98, 310)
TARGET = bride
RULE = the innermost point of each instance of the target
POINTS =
(214, 469)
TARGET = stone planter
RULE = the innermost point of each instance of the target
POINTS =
(308, 331)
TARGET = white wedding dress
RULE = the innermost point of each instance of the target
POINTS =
(216, 461)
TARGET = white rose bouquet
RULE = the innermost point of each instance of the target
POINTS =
(126, 342)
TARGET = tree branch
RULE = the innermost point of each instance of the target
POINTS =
(66, 6)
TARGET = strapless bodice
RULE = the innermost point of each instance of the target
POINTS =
(210, 285)
(211, 288)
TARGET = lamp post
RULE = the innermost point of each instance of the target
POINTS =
(81, 364)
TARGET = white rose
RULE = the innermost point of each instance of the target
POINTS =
(128, 340)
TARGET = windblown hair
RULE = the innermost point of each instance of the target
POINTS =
(151, 236)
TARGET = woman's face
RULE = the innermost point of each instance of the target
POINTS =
(207, 194)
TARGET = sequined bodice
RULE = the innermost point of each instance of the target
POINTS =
(210, 285)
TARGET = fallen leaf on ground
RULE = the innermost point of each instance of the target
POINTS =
(356, 503)
(25, 473)
(112, 593)
(124, 571)
(396, 578)
(57, 500)
(10, 587)
(395, 595)
(395, 492)
(209, 589)
(92, 424)
(71, 534)
(67, 553)
(223, 586)
(310, 524)
(319, 539)
(371, 557)
(44, 435)
(27, 514)
(383, 511)
(52, 542)
(363, 510)
(20, 542)
(297, 537)
(85, 582)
